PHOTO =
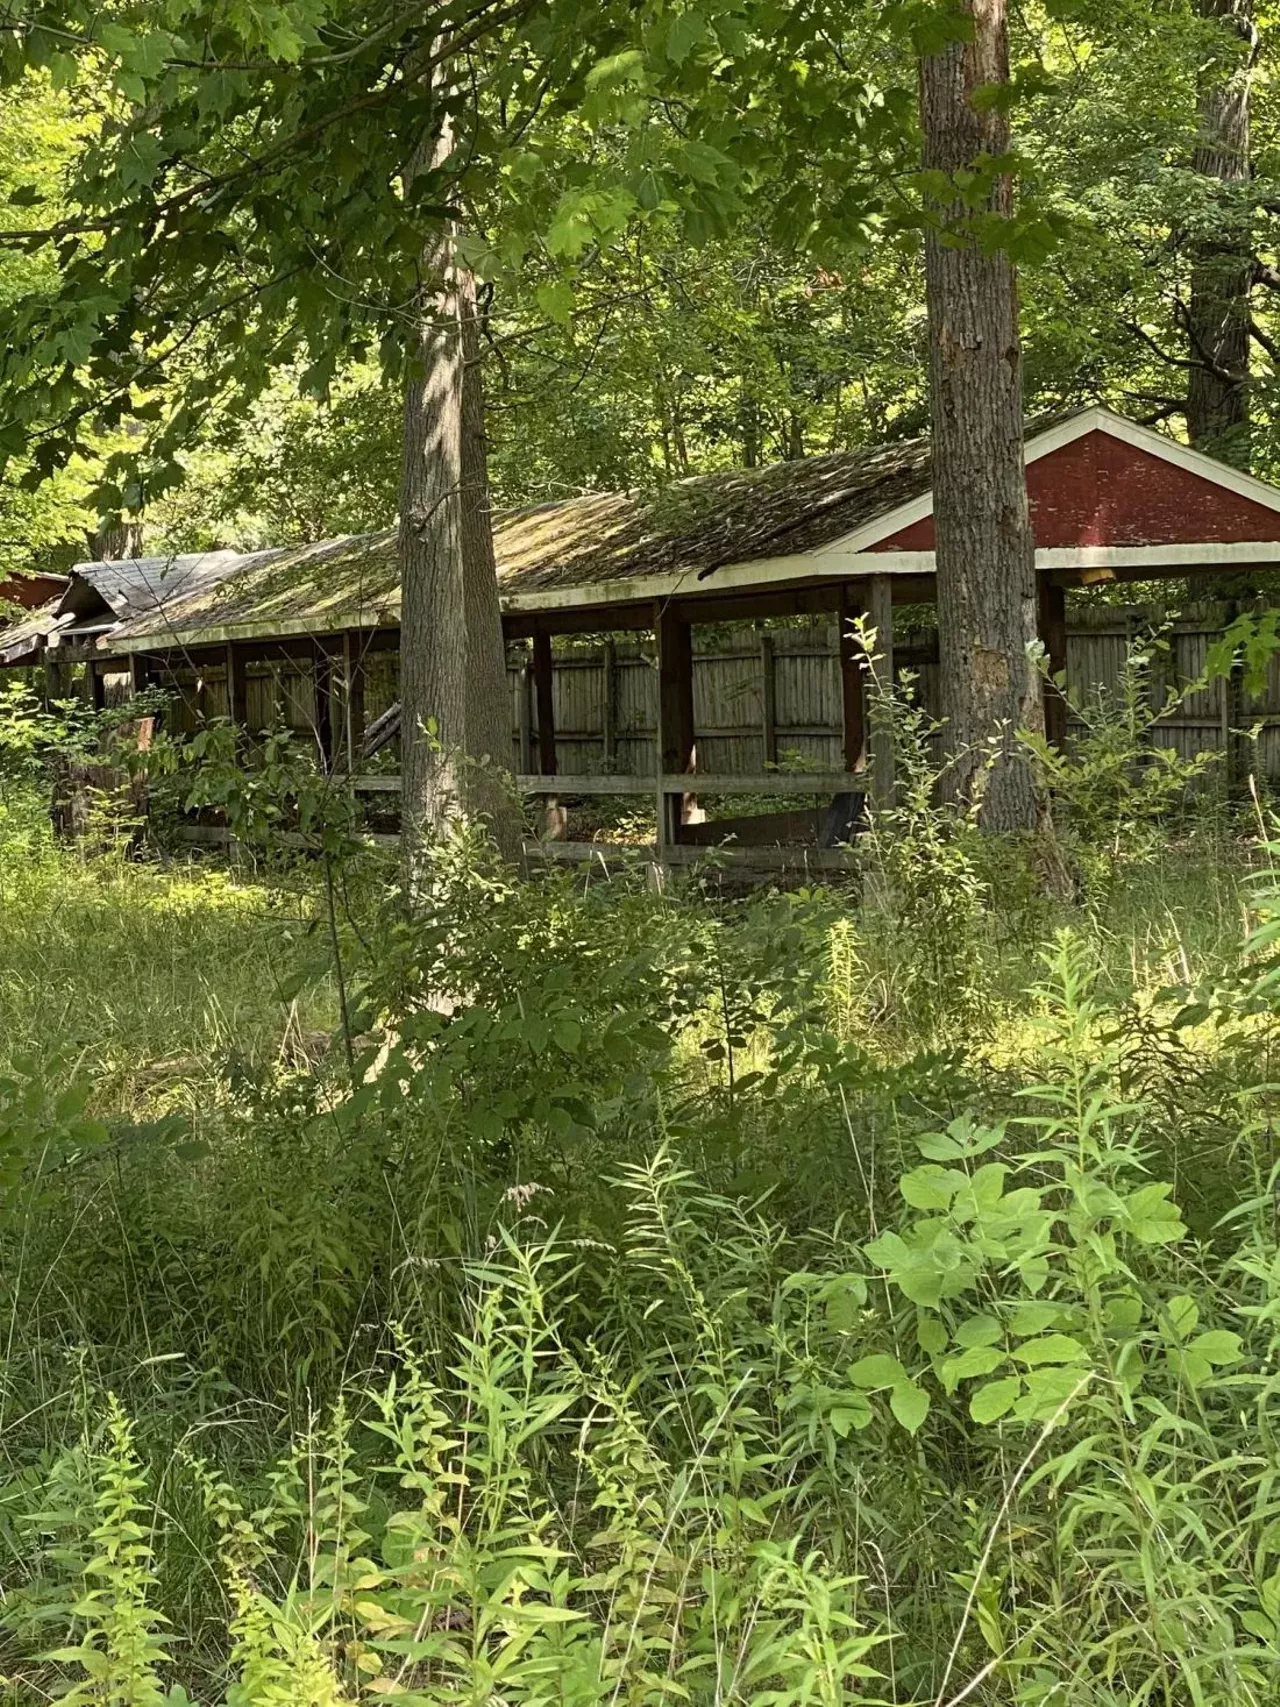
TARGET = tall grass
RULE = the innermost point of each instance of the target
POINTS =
(672, 1307)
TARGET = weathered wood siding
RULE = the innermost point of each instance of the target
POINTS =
(606, 696)
(730, 698)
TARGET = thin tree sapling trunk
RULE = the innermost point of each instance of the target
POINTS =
(985, 550)
(433, 620)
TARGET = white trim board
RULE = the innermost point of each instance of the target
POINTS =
(742, 577)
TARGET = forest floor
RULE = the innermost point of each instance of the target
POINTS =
(850, 1295)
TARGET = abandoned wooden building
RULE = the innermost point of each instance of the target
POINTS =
(309, 635)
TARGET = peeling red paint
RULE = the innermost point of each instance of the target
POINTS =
(1098, 490)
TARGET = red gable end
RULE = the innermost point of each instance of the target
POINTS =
(1098, 490)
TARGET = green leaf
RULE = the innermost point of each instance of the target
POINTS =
(978, 1360)
(1033, 1318)
(850, 1412)
(1218, 1347)
(567, 1034)
(1183, 1313)
(930, 1187)
(979, 1330)
(556, 300)
(687, 30)
(878, 1371)
(1053, 1348)
(989, 1403)
(624, 67)
(961, 1139)
(910, 1405)
(931, 1336)
(1150, 1218)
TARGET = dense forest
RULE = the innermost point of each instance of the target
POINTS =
(439, 1274)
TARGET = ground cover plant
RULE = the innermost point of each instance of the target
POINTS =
(681, 1297)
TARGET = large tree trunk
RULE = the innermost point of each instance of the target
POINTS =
(1222, 270)
(433, 617)
(452, 665)
(985, 550)
(491, 790)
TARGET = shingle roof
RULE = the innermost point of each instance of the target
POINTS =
(682, 534)
(342, 583)
(137, 586)
(690, 528)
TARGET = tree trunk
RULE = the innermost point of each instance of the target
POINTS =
(452, 668)
(985, 548)
(433, 618)
(490, 791)
(1222, 271)
(117, 540)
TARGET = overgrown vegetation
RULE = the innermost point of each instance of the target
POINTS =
(682, 1297)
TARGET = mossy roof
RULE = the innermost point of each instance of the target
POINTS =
(588, 549)
(691, 528)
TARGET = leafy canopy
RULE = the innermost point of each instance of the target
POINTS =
(250, 195)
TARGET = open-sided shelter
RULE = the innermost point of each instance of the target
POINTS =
(849, 533)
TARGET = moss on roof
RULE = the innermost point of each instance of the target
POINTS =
(689, 529)
(692, 527)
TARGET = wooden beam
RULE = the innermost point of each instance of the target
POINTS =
(609, 707)
(1052, 602)
(598, 619)
(322, 677)
(544, 701)
(880, 732)
(353, 714)
(237, 689)
(555, 819)
(524, 717)
(677, 751)
(768, 701)
(852, 683)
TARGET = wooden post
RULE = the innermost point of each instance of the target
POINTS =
(880, 733)
(53, 683)
(97, 685)
(555, 818)
(524, 718)
(609, 712)
(677, 752)
(237, 693)
(1052, 601)
(852, 683)
(544, 698)
(1233, 738)
(352, 703)
(768, 701)
(139, 674)
(322, 677)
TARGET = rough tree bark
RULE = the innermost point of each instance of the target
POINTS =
(452, 667)
(433, 619)
(117, 540)
(490, 790)
(1223, 266)
(985, 549)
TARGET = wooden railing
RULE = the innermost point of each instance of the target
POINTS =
(665, 791)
